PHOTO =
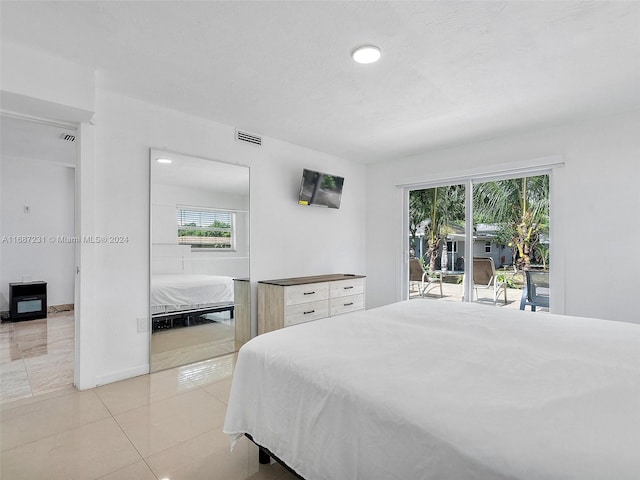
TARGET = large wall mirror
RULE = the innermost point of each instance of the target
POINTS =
(199, 271)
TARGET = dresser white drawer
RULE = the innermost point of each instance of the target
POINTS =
(288, 301)
(343, 288)
(306, 312)
(346, 304)
(308, 292)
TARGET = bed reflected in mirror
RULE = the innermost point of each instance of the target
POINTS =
(199, 233)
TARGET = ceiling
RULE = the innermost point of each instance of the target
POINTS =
(451, 72)
(31, 140)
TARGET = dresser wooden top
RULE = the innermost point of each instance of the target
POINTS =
(287, 282)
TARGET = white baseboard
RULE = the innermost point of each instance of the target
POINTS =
(122, 375)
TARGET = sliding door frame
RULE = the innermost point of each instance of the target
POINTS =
(543, 166)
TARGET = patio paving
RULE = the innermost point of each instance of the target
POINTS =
(452, 292)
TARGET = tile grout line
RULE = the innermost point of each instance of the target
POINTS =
(77, 427)
(26, 370)
(197, 387)
(128, 439)
(19, 333)
(24, 365)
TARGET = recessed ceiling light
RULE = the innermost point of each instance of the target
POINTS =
(366, 54)
(163, 160)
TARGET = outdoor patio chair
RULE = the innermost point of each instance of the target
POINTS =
(536, 292)
(484, 277)
(417, 273)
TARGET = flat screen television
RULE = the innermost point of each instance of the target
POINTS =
(320, 189)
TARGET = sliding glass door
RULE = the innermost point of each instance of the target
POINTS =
(437, 233)
(511, 237)
(477, 240)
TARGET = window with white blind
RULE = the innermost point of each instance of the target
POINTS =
(207, 229)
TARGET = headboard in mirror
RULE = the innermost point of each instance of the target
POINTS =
(171, 259)
(199, 229)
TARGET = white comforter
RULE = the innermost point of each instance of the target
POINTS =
(182, 290)
(440, 390)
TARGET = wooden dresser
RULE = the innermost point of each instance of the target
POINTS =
(289, 301)
(242, 310)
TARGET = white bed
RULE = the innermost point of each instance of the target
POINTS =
(178, 292)
(441, 390)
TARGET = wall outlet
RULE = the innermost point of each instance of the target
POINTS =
(143, 325)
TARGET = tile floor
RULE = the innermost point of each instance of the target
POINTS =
(166, 425)
(36, 356)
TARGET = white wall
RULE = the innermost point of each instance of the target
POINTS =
(48, 190)
(286, 239)
(36, 83)
(165, 199)
(596, 198)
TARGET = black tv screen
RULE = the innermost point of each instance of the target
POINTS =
(320, 189)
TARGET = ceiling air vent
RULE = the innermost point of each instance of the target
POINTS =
(248, 137)
(68, 137)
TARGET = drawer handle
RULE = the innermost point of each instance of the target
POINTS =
(347, 288)
(308, 293)
(347, 304)
(307, 313)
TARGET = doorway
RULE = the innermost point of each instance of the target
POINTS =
(37, 229)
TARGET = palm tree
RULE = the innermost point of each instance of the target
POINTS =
(521, 205)
(417, 213)
(435, 208)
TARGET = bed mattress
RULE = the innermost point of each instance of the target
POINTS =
(180, 291)
(441, 390)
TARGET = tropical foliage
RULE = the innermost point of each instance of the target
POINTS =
(521, 207)
(215, 235)
(436, 209)
(216, 229)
